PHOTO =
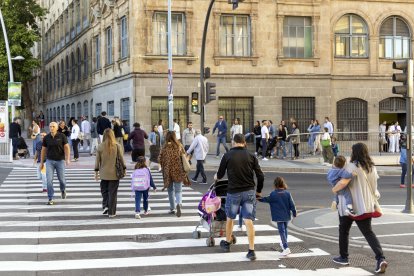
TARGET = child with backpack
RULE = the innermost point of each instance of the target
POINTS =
(281, 208)
(141, 181)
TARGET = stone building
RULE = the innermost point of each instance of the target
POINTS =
(270, 59)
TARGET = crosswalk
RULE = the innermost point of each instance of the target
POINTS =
(73, 237)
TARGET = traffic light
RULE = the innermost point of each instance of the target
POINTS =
(194, 102)
(210, 92)
(235, 3)
(406, 77)
(207, 73)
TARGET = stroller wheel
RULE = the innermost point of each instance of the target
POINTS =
(210, 242)
(196, 234)
(233, 239)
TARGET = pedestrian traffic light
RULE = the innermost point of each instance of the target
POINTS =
(194, 102)
(235, 3)
(210, 92)
(405, 77)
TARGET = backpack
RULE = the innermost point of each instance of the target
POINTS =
(140, 180)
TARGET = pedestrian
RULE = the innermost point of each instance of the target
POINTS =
(281, 138)
(257, 131)
(138, 137)
(74, 137)
(188, 137)
(328, 124)
(403, 163)
(221, 127)
(35, 134)
(41, 172)
(316, 133)
(272, 130)
(102, 124)
(326, 147)
(141, 181)
(295, 139)
(161, 131)
(177, 130)
(126, 132)
(14, 133)
(108, 151)
(94, 136)
(240, 165)
(42, 120)
(154, 139)
(119, 136)
(55, 150)
(87, 136)
(173, 172)
(236, 128)
(200, 147)
(382, 137)
(69, 125)
(365, 194)
(311, 141)
(265, 138)
(282, 207)
(334, 145)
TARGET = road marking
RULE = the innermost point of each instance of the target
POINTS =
(153, 198)
(354, 225)
(72, 193)
(385, 236)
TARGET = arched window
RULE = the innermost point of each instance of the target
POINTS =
(47, 116)
(352, 116)
(58, 75)
(47, 81)
(62, 113)
(73, 63)
(92, 114)
(67, 112)
(351, 37)
(85, 61)
(54, 79)
(86, 109)
(54, 114)
(58, 114)
(79, 110)
(50, 80)
(67, 70)
(79, 64)
(72, 111)
(62, 66)
(395, 39)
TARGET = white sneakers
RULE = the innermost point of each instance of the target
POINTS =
(265, 159)
(137, 216)
(286, 252)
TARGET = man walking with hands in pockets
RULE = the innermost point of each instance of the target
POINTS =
(240, 166)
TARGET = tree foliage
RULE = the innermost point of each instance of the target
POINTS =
(21, 20)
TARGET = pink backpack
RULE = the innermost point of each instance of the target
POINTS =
(140, 180)
(212, 203)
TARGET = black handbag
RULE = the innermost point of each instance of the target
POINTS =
(119, 167)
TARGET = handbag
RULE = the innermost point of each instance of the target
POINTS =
(186, 164)
(383, 141)
(119, 167)
(33, 136)
(326, 143)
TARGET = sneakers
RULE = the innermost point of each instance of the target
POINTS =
(138, 216)
(340, 260)
(50, 202)
(146, 213)
(286, 252)
(112, 216)
(251, 255)
(192, 180)
(264, 159)
(105, 211)
(63, 195)
(226, 246)
(171, 212)
(44, 191)
(381, 266)
(178, 213)
(203, 183)
(402, 186)
(217, 156)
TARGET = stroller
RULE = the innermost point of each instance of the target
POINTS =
(214, 222)
(22, 148)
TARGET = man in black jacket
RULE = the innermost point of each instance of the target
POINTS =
(240, 165)
(14, 133)
(102, 124)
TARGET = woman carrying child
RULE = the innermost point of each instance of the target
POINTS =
(281, 208)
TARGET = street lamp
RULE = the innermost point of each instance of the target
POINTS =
(18, 58)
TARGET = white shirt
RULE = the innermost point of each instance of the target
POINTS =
(177, 131)
(329, 126)
(235, 129)
(75, 132)
(200, 147)
(86, 127)
(265, 132)
(160, 130)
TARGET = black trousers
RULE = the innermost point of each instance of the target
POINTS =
(75, 146)
(258, 143)
(136, 153)
(200, 169)
(364, 226)
(109, 191)
(15, 141)
(296, 149)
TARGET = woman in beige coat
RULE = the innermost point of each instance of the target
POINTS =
(106, 155)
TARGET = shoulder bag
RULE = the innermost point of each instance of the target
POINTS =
(119, 167)
(186, 164)
(377, 208)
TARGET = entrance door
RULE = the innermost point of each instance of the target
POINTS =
(392, 110)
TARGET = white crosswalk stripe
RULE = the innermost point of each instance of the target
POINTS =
(32, 232)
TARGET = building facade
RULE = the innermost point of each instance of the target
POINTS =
(270, 59)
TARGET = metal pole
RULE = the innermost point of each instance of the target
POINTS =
(170, 74)
(202, 57)
(6, 41)
(409, 202)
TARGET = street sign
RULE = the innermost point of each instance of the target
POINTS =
(3, 122)
(15, 93)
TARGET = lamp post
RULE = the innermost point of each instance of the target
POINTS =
(170, 73)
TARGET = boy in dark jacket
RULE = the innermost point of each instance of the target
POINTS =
(281, 208)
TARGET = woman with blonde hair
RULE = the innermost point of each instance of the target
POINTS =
(173, 171)
(119, 137)
(105, 170)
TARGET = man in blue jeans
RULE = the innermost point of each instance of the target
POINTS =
(55, 150)
(221, 127)
(240, 166)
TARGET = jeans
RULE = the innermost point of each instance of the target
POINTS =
(364, 226)
(109, 191)
(219, 141)
(175, 189)
(75, 146)
(264, 147)
(51, 166)
(14, 144)
(282, 227)
(200, 170)
(35, 142)
(281, 147)
(138, 195)
(404, 172)
(246, 200)
(41, 176)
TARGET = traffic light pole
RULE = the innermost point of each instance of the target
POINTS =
(202, 58)
(170, 73)
(409, 202)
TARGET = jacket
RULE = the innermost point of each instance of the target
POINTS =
(188, 136)
(240, 165)
(200, 147)
(336, 174)
(118, 131)
(295, 136)
(153, 138)
(102, 124)
(94, 133)
(222, 129)
(172, 166)
(137, 136)
(15, 130)
(281, 205)
(105, 162)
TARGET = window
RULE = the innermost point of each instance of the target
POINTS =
(125, 110)
(124, 37)
(234, 35)
(79, 110)
(73, 63)
(67, 70)
(85, 61)
(50, 81)
(394, 42)
(54, 115)
(159, 110)
(97, 53)
(86, 109)
(58, 114)
(160, 43)
(297, 37)
(91, 110)
(232, 108)
(109, 45)
(110, 107)
(79, 64)
(54, 79)
(62, 113)
(302, 109)
(62, 66)
(352, 116)
(58, 75)
(98, 109)
(67, 111)
(351, 37)
(72, 110)
(393, 105)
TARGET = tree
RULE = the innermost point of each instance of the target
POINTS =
(21, 18)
